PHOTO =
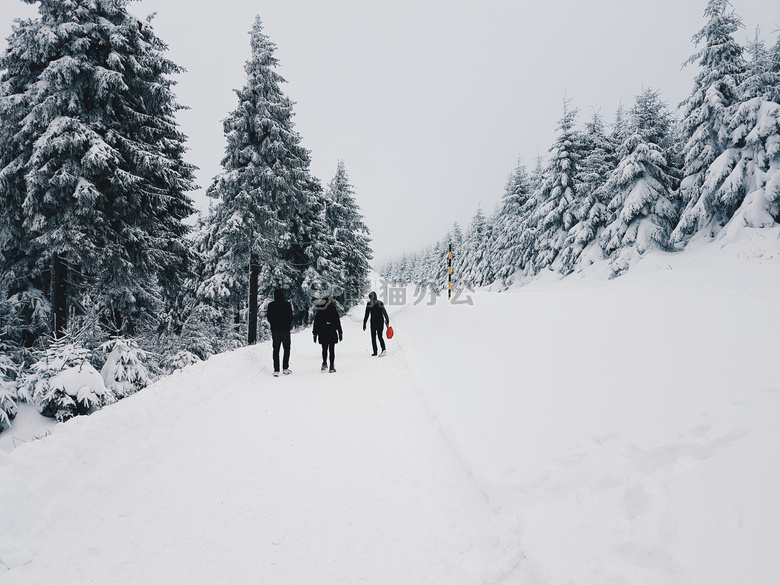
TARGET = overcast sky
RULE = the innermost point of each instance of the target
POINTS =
(430, 103)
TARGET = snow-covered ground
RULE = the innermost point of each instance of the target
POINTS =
(578, 431)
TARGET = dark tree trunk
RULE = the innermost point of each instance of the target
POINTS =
(117, 324)
(59, 296)
(254, 271)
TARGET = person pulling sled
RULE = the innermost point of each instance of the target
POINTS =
(375, 309)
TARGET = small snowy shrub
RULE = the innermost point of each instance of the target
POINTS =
(62, 383)
(124, 371)
(177, 361)
(8, 397)
(206, 332)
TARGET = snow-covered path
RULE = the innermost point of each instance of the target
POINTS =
(223, 474)
(582, 431)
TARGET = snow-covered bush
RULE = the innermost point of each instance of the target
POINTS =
(170, 363)
(8, 397)
(62, 383)
(124, 372)
(206, 332)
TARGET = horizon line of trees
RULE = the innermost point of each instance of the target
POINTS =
(648, 181)
(94, 188)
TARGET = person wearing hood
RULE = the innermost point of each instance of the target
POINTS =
(280, 315)
(327, 327)
(376, 310)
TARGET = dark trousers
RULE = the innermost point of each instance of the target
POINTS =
(328, 348)
(281, 339)
(377, 331)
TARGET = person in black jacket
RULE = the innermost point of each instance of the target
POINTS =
(376, 310)
(280, 317)
(327, 327)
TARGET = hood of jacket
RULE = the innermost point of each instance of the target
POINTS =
(322, 303)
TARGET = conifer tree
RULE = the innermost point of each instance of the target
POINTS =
(744, 181)
(262, 192)
(641, 186)
(707, 116)
(510, 219)
(590, 209)
(92, 178)
(306, 254)
(553, 215)
(352, 242)
(774, 68)
(476, 256)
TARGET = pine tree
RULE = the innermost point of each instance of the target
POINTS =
(262, 192)
(124, 370)
(306, 254)
(590, 209)
(8, 397)
(476, 256)
(744, 181)
(707, 116)
(92, 177)
(352, 241)
(553, 215)
(774, 68)
(641, 186)
(759, 80)
(510, 217)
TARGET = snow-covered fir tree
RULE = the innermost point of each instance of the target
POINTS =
(590, 208)
(62, 383)
(8, 398)
(306, 254)
(508, 225)
(263, 190)
(92, 178)
(352, 240)
(641, 186)
(744, 181)
(774, 68)
(476, 258)
(124, 371)
(552, 216)
(707, 116)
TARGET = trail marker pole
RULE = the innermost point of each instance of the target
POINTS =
(449, 274)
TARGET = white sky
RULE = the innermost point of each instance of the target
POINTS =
(429, 102)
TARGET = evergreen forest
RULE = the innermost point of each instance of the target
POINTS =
(104, 287)
(655, 178)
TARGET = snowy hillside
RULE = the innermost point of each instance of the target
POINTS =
(582, 431)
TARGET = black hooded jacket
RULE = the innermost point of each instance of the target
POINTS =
(279, 312)
(327, 324)
(376, 310)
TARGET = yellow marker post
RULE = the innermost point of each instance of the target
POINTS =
(449, 275)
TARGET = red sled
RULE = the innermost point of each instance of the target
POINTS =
(389, 332)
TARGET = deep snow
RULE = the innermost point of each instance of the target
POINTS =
(576, 431)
